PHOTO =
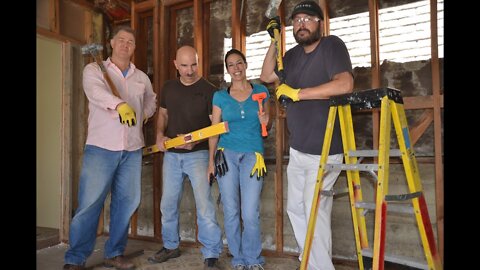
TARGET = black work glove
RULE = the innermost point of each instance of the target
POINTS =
(272, 25)
(220, 163)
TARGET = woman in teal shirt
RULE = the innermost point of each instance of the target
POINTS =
(241, 150)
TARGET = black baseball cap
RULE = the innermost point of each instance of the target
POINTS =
(308, 7)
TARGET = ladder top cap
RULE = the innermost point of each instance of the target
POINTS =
(367, 99)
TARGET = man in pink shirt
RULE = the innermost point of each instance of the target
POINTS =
(113, 153)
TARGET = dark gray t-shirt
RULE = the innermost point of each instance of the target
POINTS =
(188, 109)
(307, 119)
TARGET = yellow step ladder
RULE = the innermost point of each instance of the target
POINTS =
(391, 107)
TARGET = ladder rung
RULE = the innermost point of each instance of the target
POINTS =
(333, 192)
(373, 153)
(402, 197)
(405, 209)
(408, 261)
(351, 167)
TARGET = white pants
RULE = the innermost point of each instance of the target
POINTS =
(302, 173)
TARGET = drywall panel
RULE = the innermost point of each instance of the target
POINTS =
(49, 123)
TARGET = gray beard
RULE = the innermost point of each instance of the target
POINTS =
(314, 37)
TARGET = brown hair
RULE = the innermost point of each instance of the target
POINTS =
(125, 28)
(234, 51)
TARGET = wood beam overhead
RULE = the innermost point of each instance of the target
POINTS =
(82, 3)
(238, 26)
(145, 5)
(174, 2)
(198, 32)
(168, 3)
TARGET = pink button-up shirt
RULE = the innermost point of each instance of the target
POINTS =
(104, 127)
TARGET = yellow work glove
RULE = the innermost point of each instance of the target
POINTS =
(272, 25)
(286, 90)
(127, 114)
(259, 166)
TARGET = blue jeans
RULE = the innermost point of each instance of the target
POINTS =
(240, 195)
(176, 166)
(104, 171)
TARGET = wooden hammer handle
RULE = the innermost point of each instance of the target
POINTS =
(106, 76)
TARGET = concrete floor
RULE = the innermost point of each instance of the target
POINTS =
(50, 253)
(51, 258)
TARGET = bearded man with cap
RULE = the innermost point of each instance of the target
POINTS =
(317, 68)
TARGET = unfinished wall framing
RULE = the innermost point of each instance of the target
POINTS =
(165, 25)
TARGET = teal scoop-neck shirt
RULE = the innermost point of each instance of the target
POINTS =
(244, 127)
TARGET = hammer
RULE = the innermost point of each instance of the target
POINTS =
(93, 49)
(260, 97)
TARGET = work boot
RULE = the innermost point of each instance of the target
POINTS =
(164, 254)
(73, 267)
(119, 262)
(210, 264)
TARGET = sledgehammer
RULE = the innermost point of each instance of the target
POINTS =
(93, 49)
(260, 97)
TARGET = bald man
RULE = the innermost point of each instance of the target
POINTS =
(186, 105)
